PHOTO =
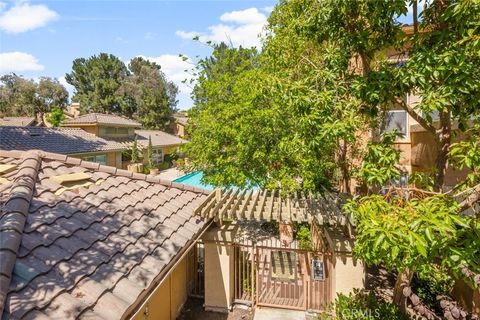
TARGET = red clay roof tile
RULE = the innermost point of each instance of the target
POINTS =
(89, 252)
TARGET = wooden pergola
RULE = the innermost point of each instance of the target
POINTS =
(271, 205)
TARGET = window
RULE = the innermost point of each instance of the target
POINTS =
(99, 158)
(110, 130)
(122, 130)
(157, 156)
(396, 120)
(113, 131)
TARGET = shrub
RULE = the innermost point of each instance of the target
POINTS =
(429, 285)
(362, 306)
(304, 236)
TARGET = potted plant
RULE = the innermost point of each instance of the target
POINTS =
(135, 166)
(151, 165)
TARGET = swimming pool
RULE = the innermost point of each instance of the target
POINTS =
(194, 179)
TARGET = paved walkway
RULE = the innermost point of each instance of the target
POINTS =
(278, 314)
(170, 174)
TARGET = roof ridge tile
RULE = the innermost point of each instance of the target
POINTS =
(21, 194)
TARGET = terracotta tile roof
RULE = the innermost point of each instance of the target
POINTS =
(159, 138)
(102, 118)
(62, 140)
(90, 252)
(17, 121)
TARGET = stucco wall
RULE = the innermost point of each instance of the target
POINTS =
(349, 274)
(114, 159)
(168, 299)
(219, 276)
(89, 129)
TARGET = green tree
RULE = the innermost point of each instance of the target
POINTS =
(150, 153)
(56, 116)
(51, 95)
(97, 81)
(135, 152)
(148, 95)
(24, 97)
(17, 96)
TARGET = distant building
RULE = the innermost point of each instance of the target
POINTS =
(18, 121)
(73, 110)
(181, 120)
(68, 141)
(124, 131)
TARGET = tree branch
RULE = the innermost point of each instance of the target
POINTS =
(427, 126)
(415, 16)
(471, 199)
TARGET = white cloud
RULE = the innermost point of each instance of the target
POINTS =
(18, 61)
(247, 16)
(24, 17)
(174, 68)
(237, 27)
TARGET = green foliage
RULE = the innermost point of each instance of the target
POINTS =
(104, 84)
(56, 116)
(304, 236)
(24, 97)
(428, 286)
(414, 233)
(361, 305)
(423, 180)
(466, 155)
(135, 152)
(97, 81)
(150, 153)
(380, 162)
(148, 95)
(254, 122)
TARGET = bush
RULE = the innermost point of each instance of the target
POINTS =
(362, 306)
(304, 236)
(429, 285)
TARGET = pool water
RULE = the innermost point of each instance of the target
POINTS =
(194, 179)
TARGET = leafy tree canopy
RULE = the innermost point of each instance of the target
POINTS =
(25, 97)
(105, 84)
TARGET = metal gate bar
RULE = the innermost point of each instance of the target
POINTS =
(255, 283)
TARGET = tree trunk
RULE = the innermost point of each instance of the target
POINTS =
(403, 280)
(444, 140)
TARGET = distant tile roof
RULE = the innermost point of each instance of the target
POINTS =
(92, 252)
(159, 138)
(101, 118)
(60, 140)
(17, 121)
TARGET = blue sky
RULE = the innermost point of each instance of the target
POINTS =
(42, 38)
